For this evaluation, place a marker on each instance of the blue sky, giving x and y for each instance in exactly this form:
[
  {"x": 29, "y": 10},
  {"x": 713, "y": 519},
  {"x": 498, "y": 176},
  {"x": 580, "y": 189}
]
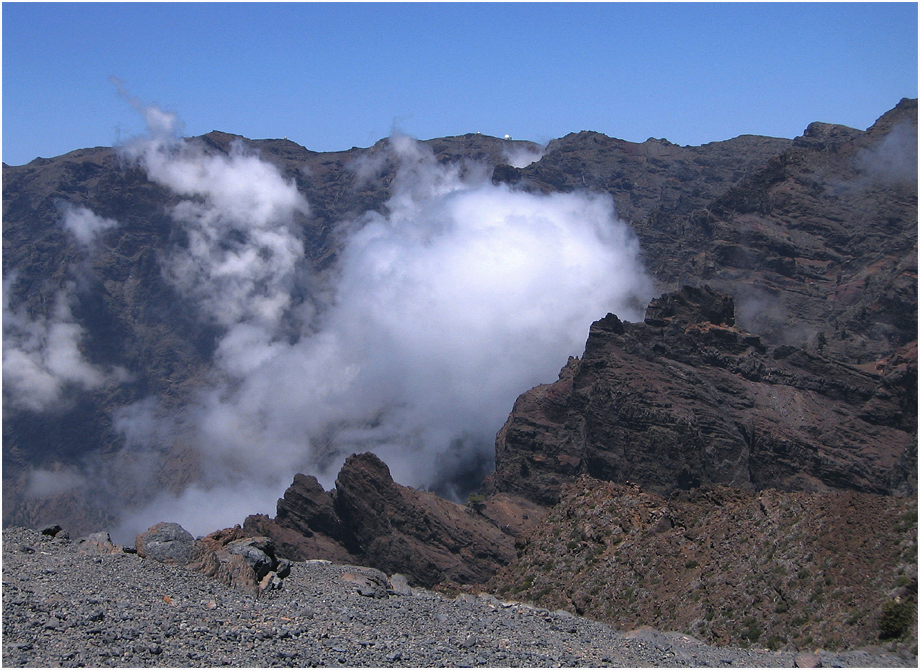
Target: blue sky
[{"x": 333, "y": 76}]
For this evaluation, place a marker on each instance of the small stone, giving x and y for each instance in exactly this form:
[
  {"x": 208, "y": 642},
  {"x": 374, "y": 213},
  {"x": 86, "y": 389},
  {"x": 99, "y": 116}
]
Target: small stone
[
  {"x": 97, "y": 543},
  {"x": 470, "y": 641},
  {"x": 808, "y": 661},
  {"x": 399, "y": 585},
  {"x": 271, "y": 582}
]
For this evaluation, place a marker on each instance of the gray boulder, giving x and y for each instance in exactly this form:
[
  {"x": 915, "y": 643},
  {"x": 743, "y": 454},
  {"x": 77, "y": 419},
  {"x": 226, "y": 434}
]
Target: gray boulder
[{"x": 167, "y": 543}]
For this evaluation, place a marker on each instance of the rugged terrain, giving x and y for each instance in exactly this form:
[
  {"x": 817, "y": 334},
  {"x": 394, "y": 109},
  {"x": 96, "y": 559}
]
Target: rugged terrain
[
  {"x": 814, "y": 238},
  {"x": 751, "y": 445},
  {"x": 688, "y": 398},
  {"x": 66, "y": 606},
  {"x": 781, "y": 570}
]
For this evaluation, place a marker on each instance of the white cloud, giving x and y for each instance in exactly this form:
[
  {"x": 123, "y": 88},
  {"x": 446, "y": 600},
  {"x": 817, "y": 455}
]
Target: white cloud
[
  {"x": 243, "y": 247},
  {"x": 442, "y": 310},
  {"x": 84, "y": 224},
  {"x": 520, "y": 156},
  {"x": 893, "y": 159},
  {"x": 49, "y": 483},
  {"x": 42, "y": 357}
]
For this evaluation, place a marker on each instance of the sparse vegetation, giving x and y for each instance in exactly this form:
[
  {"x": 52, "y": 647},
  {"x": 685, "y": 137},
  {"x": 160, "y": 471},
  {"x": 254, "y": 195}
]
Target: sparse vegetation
[
  {"x": 762, "y": 586},
  {"x": 896, "y": 618},
  {"x": 476, "y": 502}
]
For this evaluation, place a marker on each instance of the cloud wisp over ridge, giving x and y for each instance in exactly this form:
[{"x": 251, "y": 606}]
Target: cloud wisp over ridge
[{"x": 443, "y": 307}]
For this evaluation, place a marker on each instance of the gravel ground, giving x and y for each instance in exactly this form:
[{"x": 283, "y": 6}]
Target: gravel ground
[{"x": 66, "y": 608}]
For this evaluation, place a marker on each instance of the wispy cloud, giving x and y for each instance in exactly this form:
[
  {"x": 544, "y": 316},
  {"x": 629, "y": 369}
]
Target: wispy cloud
[{"x": 42, "y": 359}]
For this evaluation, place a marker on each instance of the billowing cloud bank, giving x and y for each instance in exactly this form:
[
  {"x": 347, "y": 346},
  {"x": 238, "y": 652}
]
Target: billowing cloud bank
[{"x": 442, "y": 309}]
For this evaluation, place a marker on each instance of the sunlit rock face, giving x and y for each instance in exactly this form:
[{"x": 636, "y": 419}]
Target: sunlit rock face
[{"x": 686, "y": 398}]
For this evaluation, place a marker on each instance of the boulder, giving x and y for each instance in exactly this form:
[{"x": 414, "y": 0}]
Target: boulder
[
  {"x": 258, "y": 552},
  {"x": 99, "y": 543},
  {"x": 227, "y": 555},
  {"x": 166, "y": 543}
]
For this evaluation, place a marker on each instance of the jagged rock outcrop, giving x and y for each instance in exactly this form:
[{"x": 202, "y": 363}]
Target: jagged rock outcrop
[
  {"x": 371, "y": 520},
  {"x": 229, "y": 556},
  {"x": 687, "y": 398}
]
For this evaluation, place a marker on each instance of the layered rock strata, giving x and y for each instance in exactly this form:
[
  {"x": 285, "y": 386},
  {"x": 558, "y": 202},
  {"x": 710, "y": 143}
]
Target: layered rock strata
[{"x": 688, "y": 398}]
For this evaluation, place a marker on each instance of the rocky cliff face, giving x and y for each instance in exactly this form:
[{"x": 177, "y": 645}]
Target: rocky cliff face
[
  {"x": 815, "y": 237},
  {"x": 369, "y": 519},
  {"x": 687, "y": 398}
]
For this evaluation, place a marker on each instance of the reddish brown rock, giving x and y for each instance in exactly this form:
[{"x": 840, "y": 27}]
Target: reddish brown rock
[
  {"x": 687, "y": 398},
  {"x": 400, "y": 529},
  {"x": 782, "y": 570},
  {"x": 230, "y": 556},
  {"x": 368, "y": 519}
]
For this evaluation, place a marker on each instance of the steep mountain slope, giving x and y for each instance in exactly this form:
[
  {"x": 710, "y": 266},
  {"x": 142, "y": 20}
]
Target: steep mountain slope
[
  {"x": 814, "y": 237},
  {"x": 773, "y": 569}
]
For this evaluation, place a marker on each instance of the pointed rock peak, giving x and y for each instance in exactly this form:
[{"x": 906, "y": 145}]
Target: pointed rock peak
[
  {"x": 363, "y": 474},
  {"x": 904, "y": 112},
  {"x": 369, "y": 463},
  {"x": 691, "y": 305}
]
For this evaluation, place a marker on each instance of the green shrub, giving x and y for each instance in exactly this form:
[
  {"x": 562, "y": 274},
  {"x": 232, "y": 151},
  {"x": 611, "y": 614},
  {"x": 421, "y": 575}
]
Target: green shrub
[
  {"x": 774, "y": 642},
  {"x": 907, "y": 521},
  {"x": 476, "y": 502},
  {"x": 896, "y": 618}
]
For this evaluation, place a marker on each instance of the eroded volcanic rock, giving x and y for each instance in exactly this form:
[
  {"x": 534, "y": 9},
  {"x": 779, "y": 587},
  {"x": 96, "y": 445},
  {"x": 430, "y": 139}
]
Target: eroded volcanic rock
[
  {"x": 687, "y": 398},
  {"x": 371, "y": 520},
  {"x": 230, "y": 556},
  {"x": 814, "y": 237}
]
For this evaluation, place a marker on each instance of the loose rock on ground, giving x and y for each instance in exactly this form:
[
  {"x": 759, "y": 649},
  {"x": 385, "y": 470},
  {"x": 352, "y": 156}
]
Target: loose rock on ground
[{"x": 72, "y": 608}]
